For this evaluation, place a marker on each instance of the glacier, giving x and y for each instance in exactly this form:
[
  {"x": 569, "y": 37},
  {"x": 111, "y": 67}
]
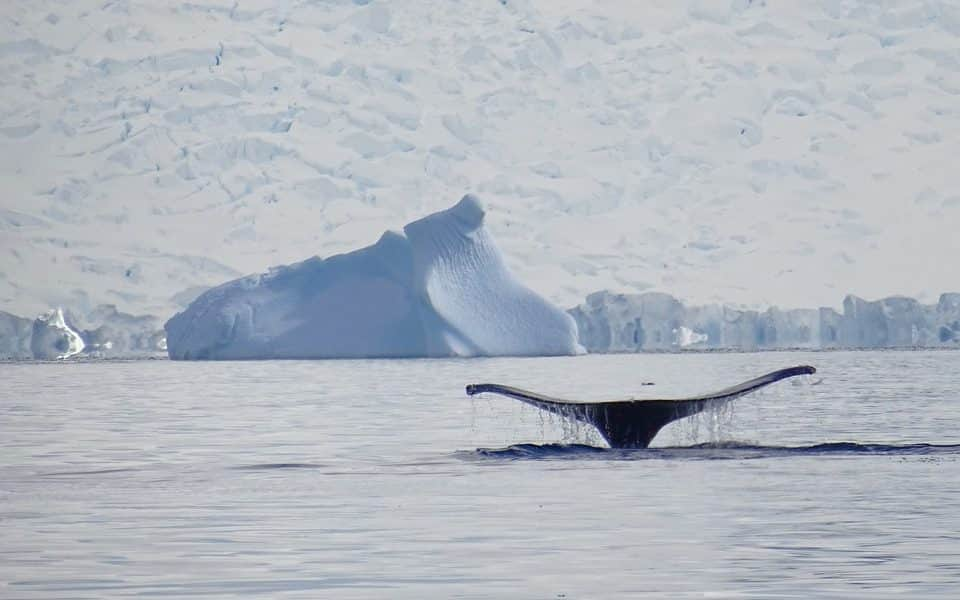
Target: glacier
[
  {"x": 725, "y": 151},
  {"x": 439, "y": 289},
  {"x": 748, "y": 153},
  {"x": 654, "y": 321}
]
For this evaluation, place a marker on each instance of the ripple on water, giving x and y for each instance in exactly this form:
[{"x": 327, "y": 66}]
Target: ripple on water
[{"x": 706, "y": 451}]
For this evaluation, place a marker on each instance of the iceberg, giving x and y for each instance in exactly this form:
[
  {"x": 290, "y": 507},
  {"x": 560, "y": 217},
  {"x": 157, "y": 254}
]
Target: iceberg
[
  {"x": 52, "y": 338},
  {"x": 60, "y": 334},
  {"x": 439, "y": 289}
]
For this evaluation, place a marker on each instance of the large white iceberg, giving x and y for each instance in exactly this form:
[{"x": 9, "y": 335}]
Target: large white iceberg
[{"x": 439, "y": 289}]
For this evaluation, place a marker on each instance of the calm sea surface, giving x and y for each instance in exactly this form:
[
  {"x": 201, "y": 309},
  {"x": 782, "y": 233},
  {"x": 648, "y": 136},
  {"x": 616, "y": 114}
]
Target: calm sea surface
[{"x": 381, "y": 479}]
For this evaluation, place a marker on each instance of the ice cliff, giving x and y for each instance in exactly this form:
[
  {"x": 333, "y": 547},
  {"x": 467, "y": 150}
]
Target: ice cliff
[
  {"x": 53, "y": 338},
  {"x": 610, "y": 322},
  {"x": 439, "y": 289},
  {"x": 47, "y": 337},
  {"x": 15, "y": 336},
  {"x": 103, "y": 332}
]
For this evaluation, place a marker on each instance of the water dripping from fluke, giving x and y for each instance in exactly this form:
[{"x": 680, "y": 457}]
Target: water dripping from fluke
[{"x": 632, "y": 424}]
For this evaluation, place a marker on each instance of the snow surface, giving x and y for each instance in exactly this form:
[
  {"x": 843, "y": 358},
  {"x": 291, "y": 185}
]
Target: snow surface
[
  {"x": 735, "y": 151},
  {"x": 442, "y": 289}
]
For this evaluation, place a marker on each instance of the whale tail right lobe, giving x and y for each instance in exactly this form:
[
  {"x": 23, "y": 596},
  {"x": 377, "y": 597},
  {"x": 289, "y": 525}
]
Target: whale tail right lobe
[{"x": 634, "y": 423}]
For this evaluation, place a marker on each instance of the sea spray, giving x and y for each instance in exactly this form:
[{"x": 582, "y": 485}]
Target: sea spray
[
  {"x": 735, "y": 420},
  {"x": 571, "y": 430},
  {"x": 509, "y": 423},
  {"x": 714, "y": 424}
]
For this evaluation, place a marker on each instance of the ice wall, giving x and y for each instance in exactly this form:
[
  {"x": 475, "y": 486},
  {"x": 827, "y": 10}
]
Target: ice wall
[
  {"x": 653, "y": 321},
  {"x": 439, "y": 289},
  {"x": 109, "y": 333},
  {"x": 15, "y": 335},
  {"x": 59, "y": 333}
]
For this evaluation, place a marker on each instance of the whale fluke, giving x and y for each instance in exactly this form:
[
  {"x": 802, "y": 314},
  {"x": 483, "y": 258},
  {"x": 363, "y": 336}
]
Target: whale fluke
[{"x": 634, "y": 423}]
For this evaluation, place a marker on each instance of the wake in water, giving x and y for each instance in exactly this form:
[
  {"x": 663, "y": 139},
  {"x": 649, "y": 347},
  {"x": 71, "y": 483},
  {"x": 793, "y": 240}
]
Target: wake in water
[{"x": 709, "y": 451}]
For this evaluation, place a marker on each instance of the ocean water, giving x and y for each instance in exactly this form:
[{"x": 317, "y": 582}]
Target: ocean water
[{"x": 381, "y": 479}]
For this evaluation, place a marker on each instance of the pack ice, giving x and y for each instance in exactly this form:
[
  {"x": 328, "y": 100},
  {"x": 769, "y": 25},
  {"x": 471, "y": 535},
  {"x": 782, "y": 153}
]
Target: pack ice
[{"x": 438, "y": 289}]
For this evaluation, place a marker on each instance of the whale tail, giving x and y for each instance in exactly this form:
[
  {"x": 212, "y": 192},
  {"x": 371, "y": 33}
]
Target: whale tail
[{"x": 634, "y": 423}]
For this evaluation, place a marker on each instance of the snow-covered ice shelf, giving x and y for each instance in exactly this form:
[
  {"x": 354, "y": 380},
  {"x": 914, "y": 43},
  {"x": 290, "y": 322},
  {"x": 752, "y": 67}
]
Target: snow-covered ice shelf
[{"x": 732, "y": 151}]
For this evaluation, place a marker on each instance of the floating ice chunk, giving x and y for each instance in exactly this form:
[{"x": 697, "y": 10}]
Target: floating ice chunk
[
  {"x": 441, "y": 289},
  {"x": 53, "y": 338},
  {"x": 688, "y": 337}
]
